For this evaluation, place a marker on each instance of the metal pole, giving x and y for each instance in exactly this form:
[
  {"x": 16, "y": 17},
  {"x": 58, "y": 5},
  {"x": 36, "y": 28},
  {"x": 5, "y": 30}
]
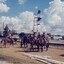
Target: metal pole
[
  {"x": 3, "y": 25},
  {"x": 33, "y": 24},
  {"x": 37, "y": 27}
]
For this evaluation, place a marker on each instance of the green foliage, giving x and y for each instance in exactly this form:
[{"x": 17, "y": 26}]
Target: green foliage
[{"x": 6, "y": 31}]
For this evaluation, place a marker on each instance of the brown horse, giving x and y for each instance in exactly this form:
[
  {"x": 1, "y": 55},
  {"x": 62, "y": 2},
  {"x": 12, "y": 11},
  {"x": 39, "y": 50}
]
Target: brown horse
[{"x": 6, "y": 41}]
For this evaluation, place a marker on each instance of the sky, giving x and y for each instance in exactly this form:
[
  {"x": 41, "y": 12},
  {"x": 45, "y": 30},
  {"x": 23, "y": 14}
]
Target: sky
[
  {"x": 18, "y": 6},
  {"x": 19, "y": 15}
]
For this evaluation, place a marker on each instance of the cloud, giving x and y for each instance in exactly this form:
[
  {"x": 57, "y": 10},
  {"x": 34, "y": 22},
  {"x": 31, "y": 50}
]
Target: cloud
[
  {"x": 55, "y": 20},
  {"x": 53, "y": 16},
  {"x": 21, "y": 1},
  {"x": 21, "y": 23},
  {"x": 4, "y": 8},
  {"x": 27, "y": 20}
]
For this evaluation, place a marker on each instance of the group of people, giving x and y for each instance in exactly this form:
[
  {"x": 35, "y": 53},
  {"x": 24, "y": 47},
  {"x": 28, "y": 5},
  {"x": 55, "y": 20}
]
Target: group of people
[
  {"x": 36, "y": 39},
  {"x": 40, "y": 40}
]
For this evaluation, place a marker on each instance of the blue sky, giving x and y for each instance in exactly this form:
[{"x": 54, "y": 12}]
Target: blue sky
[{"x": 29, "y": 5}]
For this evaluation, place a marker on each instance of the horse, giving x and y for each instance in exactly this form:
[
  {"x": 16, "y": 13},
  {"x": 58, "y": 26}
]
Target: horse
[
  {"x": 37, "y": 42},
  {"x": 41, "y": 42},
  {"x": 24, "y": 41},
  {"x": 45, "y": 41},
  {"x": 4, "y": 41}
]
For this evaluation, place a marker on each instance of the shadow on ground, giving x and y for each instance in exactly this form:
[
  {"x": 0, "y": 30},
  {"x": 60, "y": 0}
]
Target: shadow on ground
[
  {"x": 62, "y": 55},
  {"x": 28, "y": 50}
]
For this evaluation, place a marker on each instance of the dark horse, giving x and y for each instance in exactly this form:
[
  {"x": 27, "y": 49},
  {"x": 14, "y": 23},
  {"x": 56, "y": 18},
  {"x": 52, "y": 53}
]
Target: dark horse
[
  {"x": 39, "y": 41},
  {"x": 24, "y": 41}
]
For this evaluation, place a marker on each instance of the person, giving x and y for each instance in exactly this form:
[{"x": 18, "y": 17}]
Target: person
[
  {"x": 10, "y": 40},
  {"x": 31, "y": 40},
  {"x": 40, "y": 40},
  {"x": 47, "y": 42},
  {"x": 44, "y": 40}
]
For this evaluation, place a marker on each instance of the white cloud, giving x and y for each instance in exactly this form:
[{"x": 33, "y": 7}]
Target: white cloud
[
  {"x": 55, "y": 20},
  {"x": 21, "y": 23},
  {"x": 26, "y": 19},
  {"x": 4, "y": 7},
  {"x": 21, "y": 1},
  {"x": 54, "y": 16}
]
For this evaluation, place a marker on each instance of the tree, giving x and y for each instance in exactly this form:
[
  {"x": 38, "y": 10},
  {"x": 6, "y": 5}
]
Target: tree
[
  {"x": 21, "y": 35},
  {"x": 6, "y": 31}
]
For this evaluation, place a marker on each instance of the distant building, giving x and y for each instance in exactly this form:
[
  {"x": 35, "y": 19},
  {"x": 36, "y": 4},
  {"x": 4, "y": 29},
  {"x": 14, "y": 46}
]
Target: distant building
[{"x": 57, "y": 37}]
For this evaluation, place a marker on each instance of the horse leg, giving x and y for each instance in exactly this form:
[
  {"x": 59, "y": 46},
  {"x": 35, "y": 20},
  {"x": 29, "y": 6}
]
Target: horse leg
[
  {"x": 21, "y": 44},
  {"x": 1, "y": 43},
  {"x": 4, "y": 44},
  {"x": 47, "y": 46},
  {"x": 41, "y": 48},
  {"x": 26, "y": 44},
  {"x": 31, "y": 46},
  {"x": 38, "y": 47},
  {"x": 11, "y": 43}
]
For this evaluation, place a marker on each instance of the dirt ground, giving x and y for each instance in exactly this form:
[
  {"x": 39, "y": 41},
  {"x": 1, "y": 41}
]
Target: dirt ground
[{"x": 16, "y": 54}]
